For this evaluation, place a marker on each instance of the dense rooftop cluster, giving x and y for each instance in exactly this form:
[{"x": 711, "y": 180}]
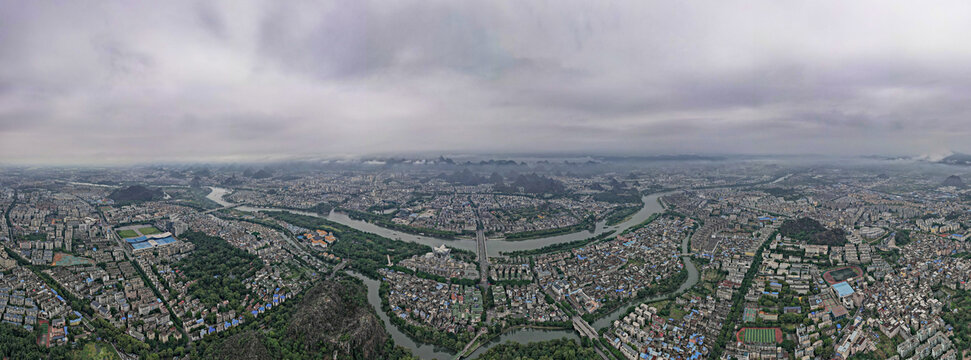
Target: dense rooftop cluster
[{"x": 732, "y": 261}]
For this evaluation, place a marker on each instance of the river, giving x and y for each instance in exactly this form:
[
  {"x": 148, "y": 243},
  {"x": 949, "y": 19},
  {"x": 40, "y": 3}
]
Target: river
[
  {"x": 424, "y": 351},
  {"x": 496, "y": 246},
  {"x": 651, "y": 206}
]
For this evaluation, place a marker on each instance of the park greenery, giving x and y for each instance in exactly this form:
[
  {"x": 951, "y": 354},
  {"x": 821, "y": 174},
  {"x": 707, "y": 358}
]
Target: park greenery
[
  {"x": 383, "y": 205},
  {"x": 619, "y": 196},
  {"x": 962, "y": 255},
  {"x": 902, "y": 237},
  {"x": 366, "y": 252},
  {"x": 19, "y": 343},
  {"x": 788, "y": 194},
  {"x": 36, "y": 236},
  {"x": 812, "y": 232},
  {"x": 644, "y": 223},
  {"x": 217, "y": 270},
  {"x": 322, "y": 208},
  {"x": 384, "y": 220},
  {"x": 619, "y": 193},
  {"x": 95, "y": 351},
  {"x": 462, "y": 254},
  {"x": 621, "y": 214},
  {"x": 958, "y": 314}
]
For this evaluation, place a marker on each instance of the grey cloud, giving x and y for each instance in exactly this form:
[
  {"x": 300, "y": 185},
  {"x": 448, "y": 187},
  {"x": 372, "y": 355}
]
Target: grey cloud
[
  {"x": 243, "y": 79},
  {"x": 119, "y": 60},
  {"x": 210, "y": 19},
  {"x": 354, "y": 39}
]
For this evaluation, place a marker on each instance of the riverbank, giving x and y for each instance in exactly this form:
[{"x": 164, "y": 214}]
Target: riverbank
[
  {"x": 385, "y": 221},
  {"x": 621, "y": 214},
  {"x": 588, "y": 224},
  {"x": 561, "y": 246},
  {"x": 480, "y": 342}
]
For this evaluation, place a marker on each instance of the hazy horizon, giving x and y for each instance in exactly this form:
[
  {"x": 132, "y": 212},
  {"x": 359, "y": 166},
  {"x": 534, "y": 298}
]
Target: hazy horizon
[{"x": 137, "y": 83}]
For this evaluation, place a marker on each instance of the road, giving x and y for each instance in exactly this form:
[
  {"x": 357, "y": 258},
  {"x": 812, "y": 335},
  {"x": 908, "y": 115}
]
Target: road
[
  {"x": 483, "y": 259},
  {"x": 585, "y": 330},
  {"x": 337, "y": 268},
  {"x": 467, "y": 346}
]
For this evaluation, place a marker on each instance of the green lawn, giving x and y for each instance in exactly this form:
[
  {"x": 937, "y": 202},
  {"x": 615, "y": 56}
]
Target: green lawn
[
  {"x": 763, "y": 336},
  {"x": 148, "y": 230},
  {"x": 124, "y": 234}
]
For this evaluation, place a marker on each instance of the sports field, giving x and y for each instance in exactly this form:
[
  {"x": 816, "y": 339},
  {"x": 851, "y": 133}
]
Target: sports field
[
  {"x": 842, "y": 274},
  {"x": 151, "y": 230},
  {"x": 759, "y": 335},
  {"x": 124, "y": 234}
]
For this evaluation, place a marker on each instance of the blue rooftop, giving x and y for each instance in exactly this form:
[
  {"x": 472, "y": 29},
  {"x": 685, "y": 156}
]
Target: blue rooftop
[{"x": 843, "y": 289}]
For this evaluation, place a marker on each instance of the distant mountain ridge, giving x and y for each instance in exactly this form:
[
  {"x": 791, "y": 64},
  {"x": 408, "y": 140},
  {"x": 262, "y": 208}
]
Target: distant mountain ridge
[{"x": 957, "y": 159}]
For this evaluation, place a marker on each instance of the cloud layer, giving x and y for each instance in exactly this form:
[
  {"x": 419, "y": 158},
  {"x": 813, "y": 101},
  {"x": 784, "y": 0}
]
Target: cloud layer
[{"x": 129, "y": 81}]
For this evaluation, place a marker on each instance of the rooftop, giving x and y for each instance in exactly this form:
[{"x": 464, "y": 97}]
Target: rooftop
[{"x": 843, "y": 289}]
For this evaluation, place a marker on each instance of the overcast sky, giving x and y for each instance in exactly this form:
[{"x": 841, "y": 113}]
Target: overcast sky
[{"x": 127, "y": 81}]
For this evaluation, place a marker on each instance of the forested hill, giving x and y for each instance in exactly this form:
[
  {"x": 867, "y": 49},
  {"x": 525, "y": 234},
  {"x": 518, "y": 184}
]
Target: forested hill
[
  {"x": 332, "y": 318},
  {"x": 335, "y": 316}
]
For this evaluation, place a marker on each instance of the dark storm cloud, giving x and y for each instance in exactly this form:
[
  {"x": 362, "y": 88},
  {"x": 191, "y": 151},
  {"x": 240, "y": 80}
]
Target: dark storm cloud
[{"x": 238, "y": 80}]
